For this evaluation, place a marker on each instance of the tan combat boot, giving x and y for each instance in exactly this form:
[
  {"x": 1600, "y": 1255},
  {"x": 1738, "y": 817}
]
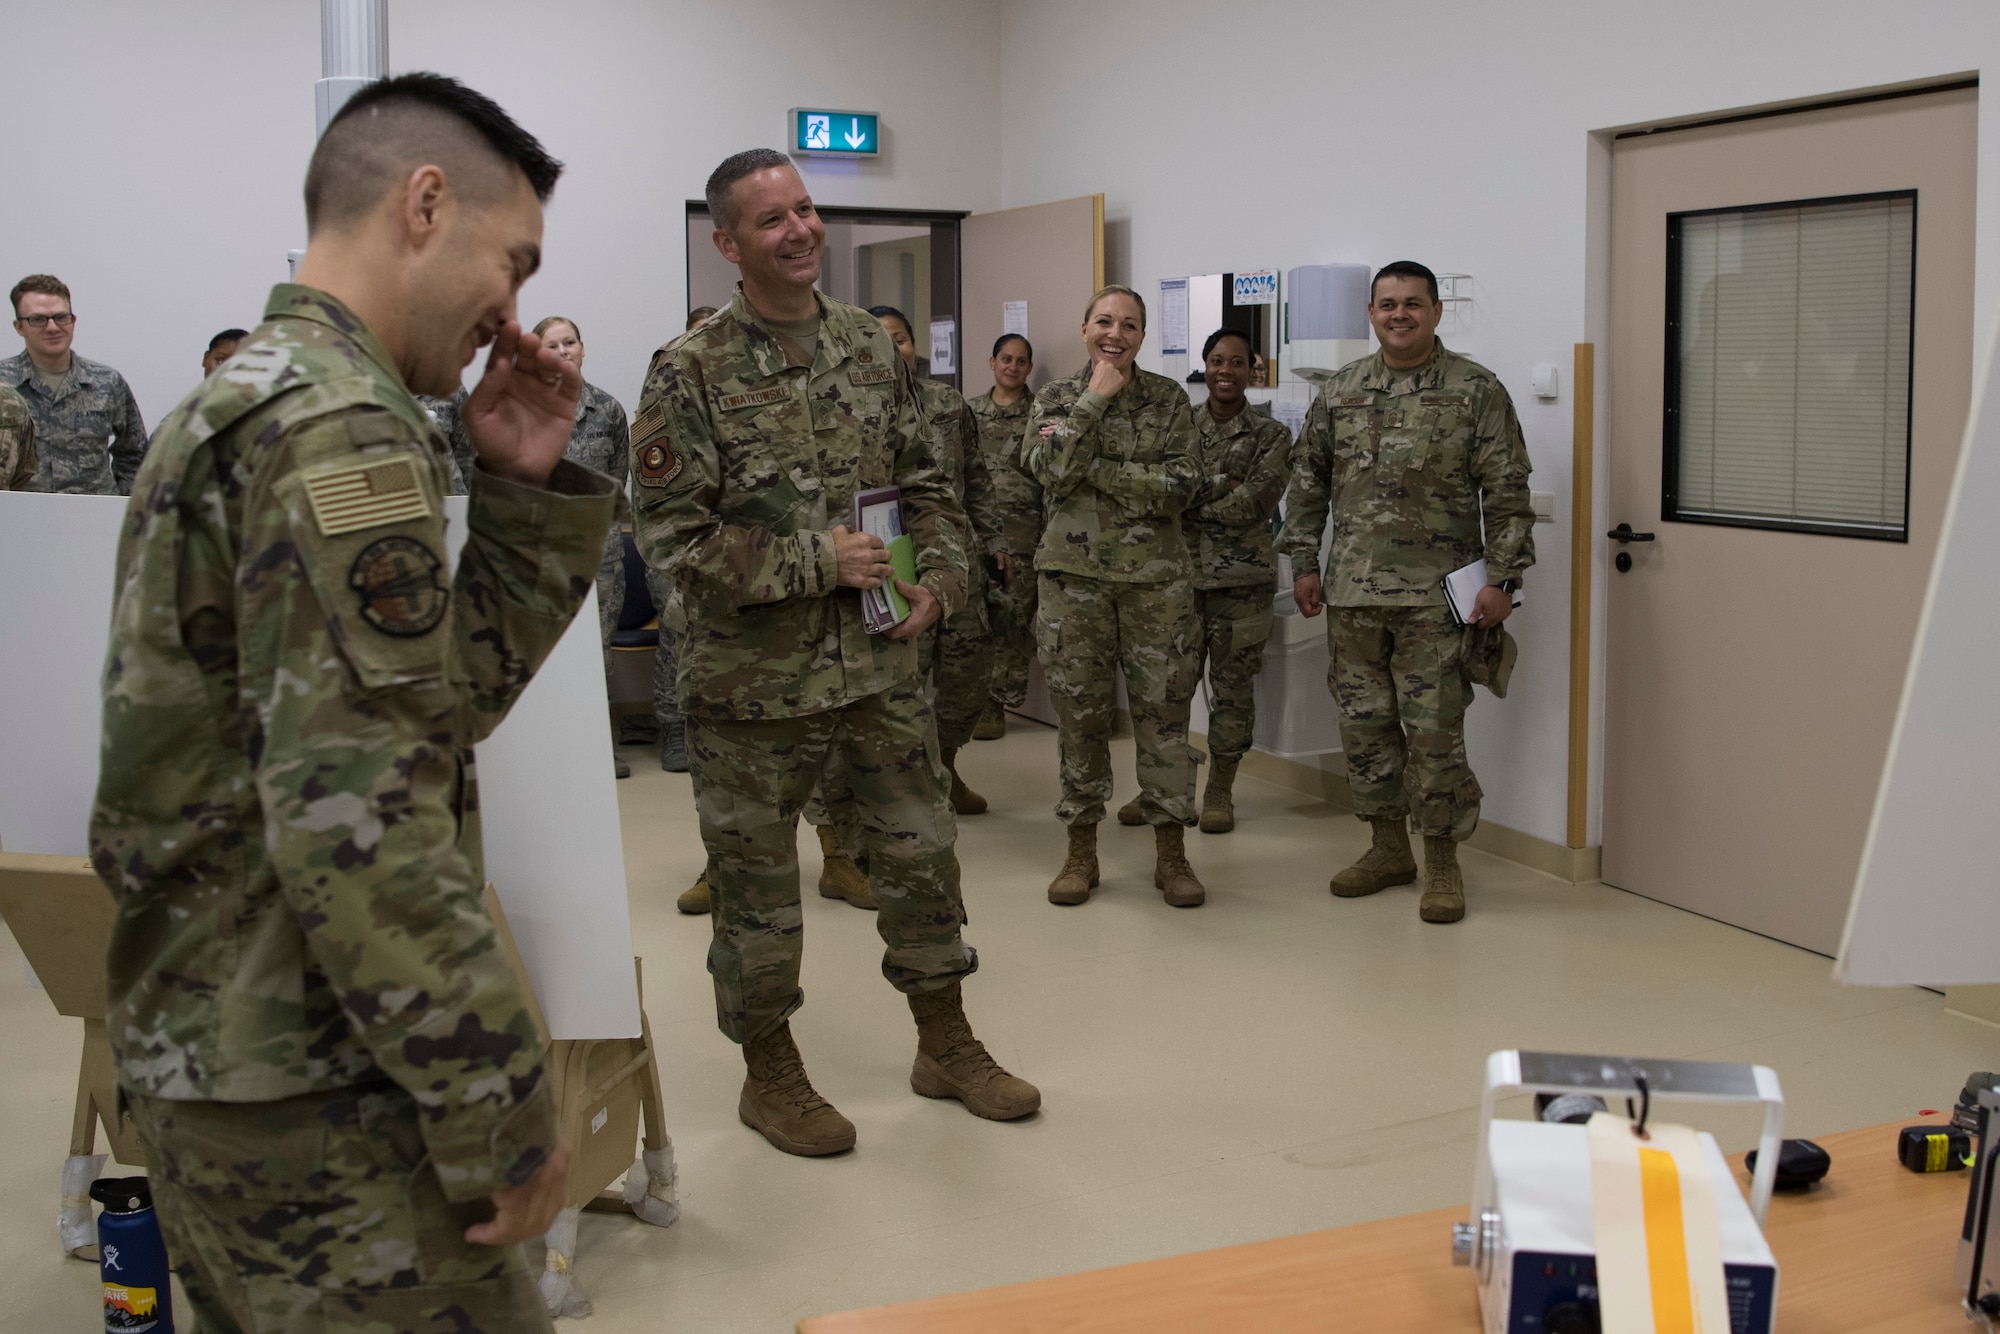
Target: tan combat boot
[
  {"x": 780, "y": 1104},
  {"x": 839, "y": 877},
  {"x": 1079, "y": 869},
  {"x": 1218, "y": 803},
  {"x": 1444, "y": 887},
  {"x": 951, "y": 1063},
  {"x": 1388, "y": 862},
  {"x": 694, "y": 900},
  {"x": 1172, "y": 875},
  {"x": 1129, "y": 814},
  {"x": 963, "y": 799},
  {"x": 992, "y": 723}
]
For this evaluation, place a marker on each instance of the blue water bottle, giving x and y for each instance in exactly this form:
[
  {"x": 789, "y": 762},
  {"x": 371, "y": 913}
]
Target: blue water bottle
[{"x": 132, "y": 1257}]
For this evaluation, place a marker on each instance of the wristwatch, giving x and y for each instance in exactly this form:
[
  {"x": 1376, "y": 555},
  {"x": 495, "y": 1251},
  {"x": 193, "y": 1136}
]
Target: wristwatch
[{"x": 1509, "y": 587}]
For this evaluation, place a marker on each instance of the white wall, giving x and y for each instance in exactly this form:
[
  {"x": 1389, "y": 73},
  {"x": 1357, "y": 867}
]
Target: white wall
[
  {"x": 162, "y": 184},
  {"x": 1455, "y": 133}
]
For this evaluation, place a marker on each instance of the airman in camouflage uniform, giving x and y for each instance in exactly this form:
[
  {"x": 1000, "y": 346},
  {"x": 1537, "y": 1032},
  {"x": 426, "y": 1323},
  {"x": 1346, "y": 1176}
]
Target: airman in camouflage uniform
[
  {"x": 292, "y": 693},
  {"x": 1407, "y": 460},
  {"x": 333, "y": 1066},
  {"x": 1243, "y": 459},
  {"x": 1011, "y": 601},
  {"x": 752, "y": 438},
  {"x": 1117, "y": 591},
  {"x": 458, "y": 445},
  {"x": 88, "y": 431},
  {"x": 17, "y": 442}
]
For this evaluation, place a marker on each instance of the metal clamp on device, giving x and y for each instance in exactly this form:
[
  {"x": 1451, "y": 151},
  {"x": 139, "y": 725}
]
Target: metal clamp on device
[{"x": 1531, "y": 1240}]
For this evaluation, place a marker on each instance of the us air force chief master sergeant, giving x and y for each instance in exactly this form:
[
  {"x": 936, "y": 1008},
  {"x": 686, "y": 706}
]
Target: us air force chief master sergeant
[
  {"x": 332, "y": 1065},
  {"x": 1408, "y": 447},
  {"x": 754, "y": 433}
]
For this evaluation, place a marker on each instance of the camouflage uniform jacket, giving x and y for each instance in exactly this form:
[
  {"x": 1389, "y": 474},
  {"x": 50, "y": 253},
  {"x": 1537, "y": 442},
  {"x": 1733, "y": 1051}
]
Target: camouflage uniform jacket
[
  {"x": 89, "y": 433},
  {"x": 1117, "y": 472},
  {"x": 743, "y": 460},
  {"x": 17, "y": 442},
  {"x": 1231, "y": 528},
  {"x": 954, "y": 435},
  {"x": 1020, "y": 496},
  {"x": 1407, "y": 461},
  {"x": 293, "y": 684}
]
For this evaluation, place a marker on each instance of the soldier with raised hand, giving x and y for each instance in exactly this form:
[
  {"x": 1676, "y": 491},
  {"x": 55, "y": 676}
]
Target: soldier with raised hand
[
  {"x": 1408, "y": 448},
  {"x": 1244, "y": 453},
  {"x": 1001, "y": 414},
  {"x": 333, "y": 1067},
  {"x": 88, "y": 430},
  {"x": 753, "y": 436},
  {"x": 1113, "y": 448},
  {"x": 17, "y": 442}
]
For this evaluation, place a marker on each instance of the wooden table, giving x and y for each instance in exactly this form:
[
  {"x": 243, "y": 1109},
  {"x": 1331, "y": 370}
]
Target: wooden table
[{"x": 1870, "y": 1249}]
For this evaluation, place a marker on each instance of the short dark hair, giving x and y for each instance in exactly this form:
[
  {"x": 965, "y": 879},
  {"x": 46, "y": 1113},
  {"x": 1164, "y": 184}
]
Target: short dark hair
[
  {"x": 721, "y": 206},
  {"x": 1005, "y": 339},
  {"x": 393, "y": 126},
  {"x": 227, "y": 336},
  {"x": 698, "y": 314},
  {"x": 44, "y": 284},
  {"x": 883, "y": 312},
  {"x": 1405, "y": 268},
  {"x": 1221, "y": 334}
]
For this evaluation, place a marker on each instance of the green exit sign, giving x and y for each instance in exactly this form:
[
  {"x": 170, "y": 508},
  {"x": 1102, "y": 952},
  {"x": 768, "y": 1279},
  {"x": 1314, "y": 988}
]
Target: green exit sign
[{"x": 817, "y": 133}]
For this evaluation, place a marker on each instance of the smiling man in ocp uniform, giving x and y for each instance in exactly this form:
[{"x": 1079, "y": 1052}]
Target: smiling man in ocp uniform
[
  {"x": 1410, "y": 448},
  {"x": 331, "y": 1063},
  {"x": 754, "y": 433}
]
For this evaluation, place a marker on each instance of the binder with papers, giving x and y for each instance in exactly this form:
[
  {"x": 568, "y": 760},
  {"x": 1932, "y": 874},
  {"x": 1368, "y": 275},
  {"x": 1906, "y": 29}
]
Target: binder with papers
[{"x": 1461, "y": 590}]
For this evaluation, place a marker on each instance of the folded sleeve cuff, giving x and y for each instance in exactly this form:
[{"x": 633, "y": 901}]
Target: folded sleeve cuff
[{"x": 476, "y": 1153}]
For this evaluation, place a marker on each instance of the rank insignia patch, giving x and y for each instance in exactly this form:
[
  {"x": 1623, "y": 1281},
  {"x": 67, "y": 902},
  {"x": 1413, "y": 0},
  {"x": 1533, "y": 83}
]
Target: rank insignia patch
[
  {"x": 366, "y": 495},
  {"x": 396, "y": 581}
]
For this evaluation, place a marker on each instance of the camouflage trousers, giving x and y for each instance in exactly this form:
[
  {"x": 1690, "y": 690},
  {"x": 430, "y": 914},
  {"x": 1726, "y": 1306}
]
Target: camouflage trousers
[
  {"x": 666, "y": 670},
  {"x": 321, "y": 1212},
  {"x": 1398, "y": 681},
  {"x": 958, "y": 655},
  {"x": 1087, "y": 630},
  {"x": 751, "y": 779},
  {"x": 1013, "y": 611},
  {"x": 1235, "y": 622}
]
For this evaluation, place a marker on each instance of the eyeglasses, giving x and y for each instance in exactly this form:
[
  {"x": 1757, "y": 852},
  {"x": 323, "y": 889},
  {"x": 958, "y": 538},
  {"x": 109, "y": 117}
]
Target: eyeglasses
[{"x": 62, "y": 321}]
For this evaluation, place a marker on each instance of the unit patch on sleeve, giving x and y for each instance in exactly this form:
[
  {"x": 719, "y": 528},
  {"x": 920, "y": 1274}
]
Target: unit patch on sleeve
[
  {"x": 396, "y": 581},
  {"x": 657, "y": 463},
  {"x": 367, "y": 495}
]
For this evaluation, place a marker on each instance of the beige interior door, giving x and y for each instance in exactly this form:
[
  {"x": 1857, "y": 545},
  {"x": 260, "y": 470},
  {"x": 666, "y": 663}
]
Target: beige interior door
[
  {"x": 1050, "y": 256},
  {"x": 1753, "y": 673}
]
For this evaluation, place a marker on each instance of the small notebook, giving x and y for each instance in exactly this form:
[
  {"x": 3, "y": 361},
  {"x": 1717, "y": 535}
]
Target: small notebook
[
  {"x": 880, "y": 512},
  {"x": 1461, "y": 590}
]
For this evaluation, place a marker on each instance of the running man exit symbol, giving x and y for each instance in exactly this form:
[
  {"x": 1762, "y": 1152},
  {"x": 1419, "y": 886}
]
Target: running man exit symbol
[{"x": 830, "y": 132}]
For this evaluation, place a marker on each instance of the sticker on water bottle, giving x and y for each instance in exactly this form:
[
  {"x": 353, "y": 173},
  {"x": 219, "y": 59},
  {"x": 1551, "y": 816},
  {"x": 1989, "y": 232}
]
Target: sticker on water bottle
[{"x": 130, "y": 1308}]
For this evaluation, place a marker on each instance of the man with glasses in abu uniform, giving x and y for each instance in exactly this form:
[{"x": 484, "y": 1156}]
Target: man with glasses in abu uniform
[{"x": 87, "y": 425}]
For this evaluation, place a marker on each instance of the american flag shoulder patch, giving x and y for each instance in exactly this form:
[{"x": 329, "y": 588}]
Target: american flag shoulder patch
[{"x": 349, "y": 497}]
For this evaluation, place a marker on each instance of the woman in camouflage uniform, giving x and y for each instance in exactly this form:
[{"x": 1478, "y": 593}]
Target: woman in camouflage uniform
[
  {"x": 1244, "y": 455},
  {"x": 1002, "y": 417},
  {"x": 1114, "y": 449}
]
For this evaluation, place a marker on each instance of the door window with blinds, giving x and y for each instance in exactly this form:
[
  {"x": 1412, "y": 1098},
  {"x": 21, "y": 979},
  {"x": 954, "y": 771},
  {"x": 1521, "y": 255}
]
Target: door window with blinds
[{"x": 1788, "y": 365}]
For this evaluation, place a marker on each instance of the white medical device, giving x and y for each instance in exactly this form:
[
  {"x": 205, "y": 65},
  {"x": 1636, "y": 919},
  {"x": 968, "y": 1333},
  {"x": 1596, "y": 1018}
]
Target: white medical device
[{"x": 1531, "y": 1241}]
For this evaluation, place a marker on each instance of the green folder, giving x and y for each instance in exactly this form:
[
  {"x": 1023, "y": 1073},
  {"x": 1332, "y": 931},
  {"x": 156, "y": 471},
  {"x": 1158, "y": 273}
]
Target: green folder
[{"x": 903, "y": 560}]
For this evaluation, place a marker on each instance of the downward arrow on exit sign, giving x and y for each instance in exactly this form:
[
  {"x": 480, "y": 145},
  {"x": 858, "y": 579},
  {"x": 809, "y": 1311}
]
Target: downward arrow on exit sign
[{"x": 855, "y": 138}]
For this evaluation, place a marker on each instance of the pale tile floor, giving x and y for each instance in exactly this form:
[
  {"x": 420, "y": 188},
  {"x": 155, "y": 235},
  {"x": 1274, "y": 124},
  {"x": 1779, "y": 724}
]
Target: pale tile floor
[{"x": 1275, "y": 1062}]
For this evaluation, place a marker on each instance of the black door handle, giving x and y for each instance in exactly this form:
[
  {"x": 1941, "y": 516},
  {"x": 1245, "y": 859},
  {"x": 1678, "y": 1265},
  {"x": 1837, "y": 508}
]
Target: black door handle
[{"x": 1623, "y": 533}]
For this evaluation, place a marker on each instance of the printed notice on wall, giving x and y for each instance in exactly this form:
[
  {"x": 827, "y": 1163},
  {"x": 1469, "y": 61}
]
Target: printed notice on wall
[
  {"x": 944, "y": 336},
  {"x": 1256, "y": 288},
  {"x": 1173, "y": 317},
  {"x": 1014, "y": 318}
]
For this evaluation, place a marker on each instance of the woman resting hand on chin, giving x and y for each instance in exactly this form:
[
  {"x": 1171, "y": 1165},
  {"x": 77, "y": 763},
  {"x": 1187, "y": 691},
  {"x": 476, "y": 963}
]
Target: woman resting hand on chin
[{"x": 1113, "y": 447}]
